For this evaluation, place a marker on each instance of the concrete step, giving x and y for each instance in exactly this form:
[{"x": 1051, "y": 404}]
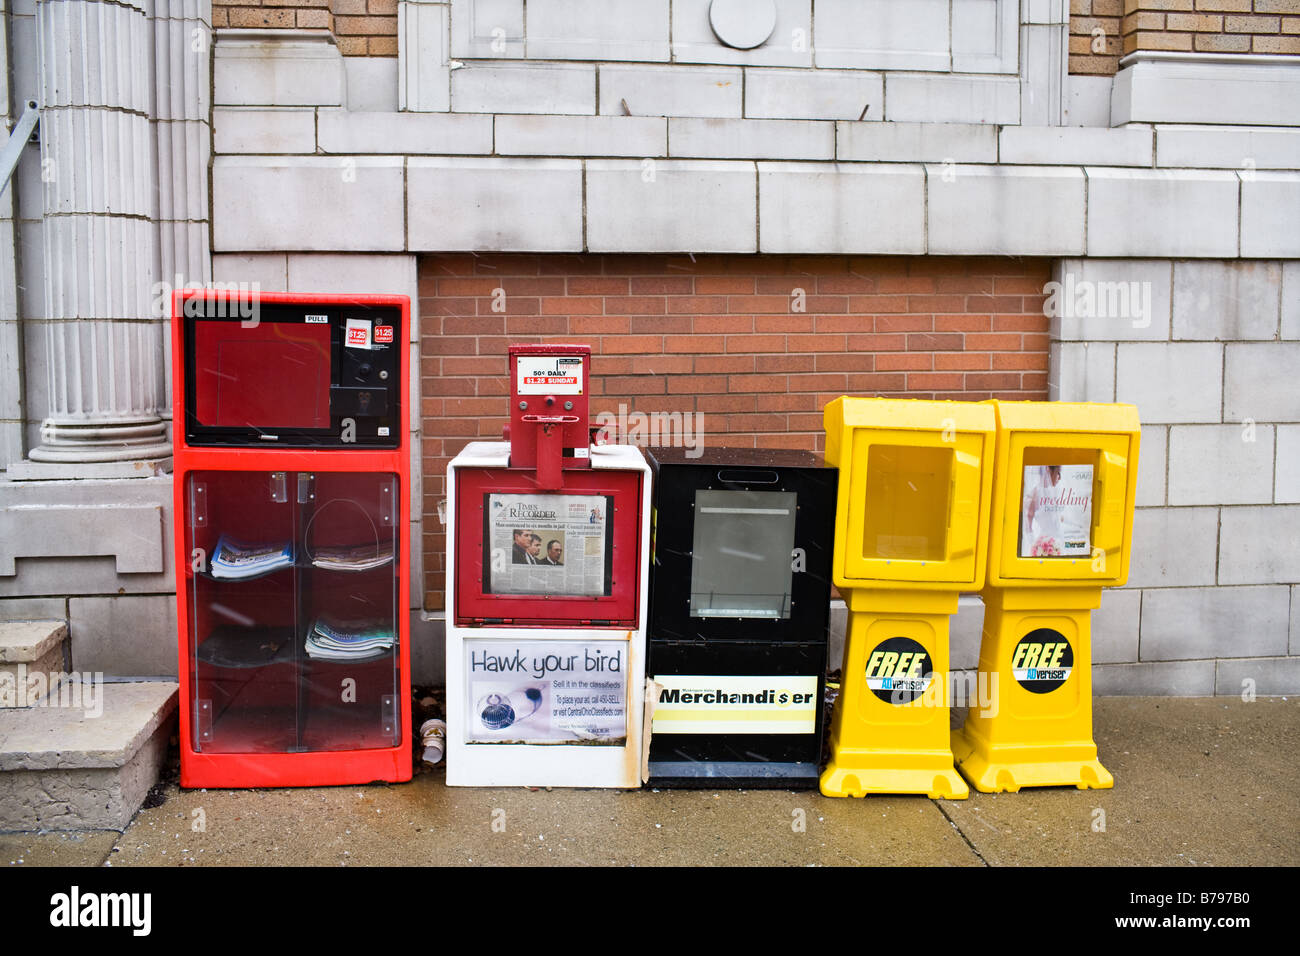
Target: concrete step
[
  {"x": 84, "y": 756},
  {"x": 30, "y": 652}
]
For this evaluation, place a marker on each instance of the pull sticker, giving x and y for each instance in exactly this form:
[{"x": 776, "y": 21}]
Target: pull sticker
[{"x": 358, "y": 334}]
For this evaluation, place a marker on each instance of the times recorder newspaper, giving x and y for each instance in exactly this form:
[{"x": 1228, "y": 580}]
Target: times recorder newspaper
[{"x": 548, "y": 544}]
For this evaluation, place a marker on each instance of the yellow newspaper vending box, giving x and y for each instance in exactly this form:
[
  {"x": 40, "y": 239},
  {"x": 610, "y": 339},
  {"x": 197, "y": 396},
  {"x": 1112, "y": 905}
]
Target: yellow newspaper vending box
[
  {"x": 911, "y": 533},
  {"x": 1061, "y": 529}
]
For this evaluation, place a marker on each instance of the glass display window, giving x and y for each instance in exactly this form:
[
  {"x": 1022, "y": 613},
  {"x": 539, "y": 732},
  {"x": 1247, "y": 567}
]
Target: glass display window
[{"x": 741, "y": 564}]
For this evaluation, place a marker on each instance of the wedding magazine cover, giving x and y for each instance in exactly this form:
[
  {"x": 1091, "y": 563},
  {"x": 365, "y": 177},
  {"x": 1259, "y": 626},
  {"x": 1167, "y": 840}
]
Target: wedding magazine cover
[{"x": 1056, "y": 511}]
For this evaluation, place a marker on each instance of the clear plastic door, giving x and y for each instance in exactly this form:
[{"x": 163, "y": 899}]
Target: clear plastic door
[
  {"x": 350, "y": 610},
  {"x": 293, "y": 624},
  {"x": 243, "y": 624}
]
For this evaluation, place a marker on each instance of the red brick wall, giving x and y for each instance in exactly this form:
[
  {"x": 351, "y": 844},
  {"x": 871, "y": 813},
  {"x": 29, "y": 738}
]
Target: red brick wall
[
  {"x": 279, "y": 14},
  {"x": 1095, "y": 41},
  {"x": 1212, "y": 26},
  {"x": 720, "y": 335},
  {"x": 1101, "y": 31},
  {"x": 360, "y": 27}
]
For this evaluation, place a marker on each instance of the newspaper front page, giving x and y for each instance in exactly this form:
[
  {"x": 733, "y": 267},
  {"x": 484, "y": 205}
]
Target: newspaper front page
[{"x": 548, "y": 544}]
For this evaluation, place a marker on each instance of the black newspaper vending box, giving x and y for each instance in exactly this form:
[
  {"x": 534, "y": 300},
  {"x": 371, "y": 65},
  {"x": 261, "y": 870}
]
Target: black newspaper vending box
[{"x": 739, "y": 609}]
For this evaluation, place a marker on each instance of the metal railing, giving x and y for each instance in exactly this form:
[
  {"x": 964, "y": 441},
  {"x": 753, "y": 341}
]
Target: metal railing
[{"x": 13, "y": 149}]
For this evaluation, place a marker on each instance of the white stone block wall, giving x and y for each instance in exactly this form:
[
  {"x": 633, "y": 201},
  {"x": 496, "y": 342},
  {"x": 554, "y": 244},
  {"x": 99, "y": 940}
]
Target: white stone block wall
[
  {"x": 814, "y": 94},
  {"x": 1209, "y": 351},
  {"x": 302, "y": 69},
  {"x": 968, "y": 36},
  {"x": 598, "y": 29},
  {"x": 986, "y": 189},
  {"x": 512, "y": 205},
  {"x": 670, "y": 205},
  {"x": 1176, "y": 88},
  {"x": 931, "y": 127},
  {"x": 638, "y": 136},
  {"x": 847, "y": 208},
  {"x": 777, "y": 154},
  {"x": 945, "y": 60},
  {"x": 992, "y": 210}
]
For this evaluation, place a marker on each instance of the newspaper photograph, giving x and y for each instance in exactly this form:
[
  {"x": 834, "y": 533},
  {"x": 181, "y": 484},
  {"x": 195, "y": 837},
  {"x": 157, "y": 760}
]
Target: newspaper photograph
[{"x": 547, "y": 544}]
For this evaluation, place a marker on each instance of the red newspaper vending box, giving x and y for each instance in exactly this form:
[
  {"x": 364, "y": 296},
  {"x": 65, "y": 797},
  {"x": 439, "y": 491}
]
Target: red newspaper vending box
[{"x": 292, "y": 486}]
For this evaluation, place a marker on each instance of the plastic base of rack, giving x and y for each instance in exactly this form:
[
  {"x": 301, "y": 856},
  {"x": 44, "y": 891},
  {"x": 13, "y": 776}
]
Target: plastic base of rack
[
  {"x": 858, "y": 773},
  {"x": 1008, "y": 769}
]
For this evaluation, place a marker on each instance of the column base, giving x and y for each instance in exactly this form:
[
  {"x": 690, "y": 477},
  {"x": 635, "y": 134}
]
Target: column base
[{"x": 125, "y": 440}]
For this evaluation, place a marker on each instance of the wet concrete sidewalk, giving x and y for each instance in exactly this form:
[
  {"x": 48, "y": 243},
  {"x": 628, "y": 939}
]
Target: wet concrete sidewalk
[{"x": 1202, "y": 781}]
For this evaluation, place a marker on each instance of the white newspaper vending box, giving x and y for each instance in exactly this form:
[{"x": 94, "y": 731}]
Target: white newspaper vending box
[{"x": 547, "y": 586}]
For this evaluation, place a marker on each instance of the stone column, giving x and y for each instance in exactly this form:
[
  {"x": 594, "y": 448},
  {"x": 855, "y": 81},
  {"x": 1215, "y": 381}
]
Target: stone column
[
  {"x": 104, "y": 346},
  {"x": 182, "y": 128}
]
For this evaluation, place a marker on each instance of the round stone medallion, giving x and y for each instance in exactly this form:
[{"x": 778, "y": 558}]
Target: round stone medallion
[{"x": 743, "y": 24}]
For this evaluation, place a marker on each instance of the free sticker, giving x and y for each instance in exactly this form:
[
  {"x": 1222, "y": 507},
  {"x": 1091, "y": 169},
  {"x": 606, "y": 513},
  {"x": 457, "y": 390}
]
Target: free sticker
[
  {"x": 1042, "y": 661},
  {"x": 899, "y": 670}
]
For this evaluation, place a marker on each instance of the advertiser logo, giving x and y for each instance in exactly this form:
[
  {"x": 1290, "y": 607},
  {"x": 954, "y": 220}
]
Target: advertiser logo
[
  {"x": 383, "y": 335},
  {"x": 899, "y": 670},
  {"x": 1042, "y": 661}
]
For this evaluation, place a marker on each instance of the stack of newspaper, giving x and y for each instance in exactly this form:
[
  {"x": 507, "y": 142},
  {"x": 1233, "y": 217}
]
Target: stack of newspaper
[
  {"x": 361, "y": 557},
  {"x": 330, "y": 640},
  {"x": 234, "y": 560}
]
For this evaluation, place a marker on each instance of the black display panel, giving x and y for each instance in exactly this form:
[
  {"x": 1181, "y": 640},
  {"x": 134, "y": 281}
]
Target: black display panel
[
  {"x": 743, "y": 546},
  {"x": 274, "y": 374}
]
